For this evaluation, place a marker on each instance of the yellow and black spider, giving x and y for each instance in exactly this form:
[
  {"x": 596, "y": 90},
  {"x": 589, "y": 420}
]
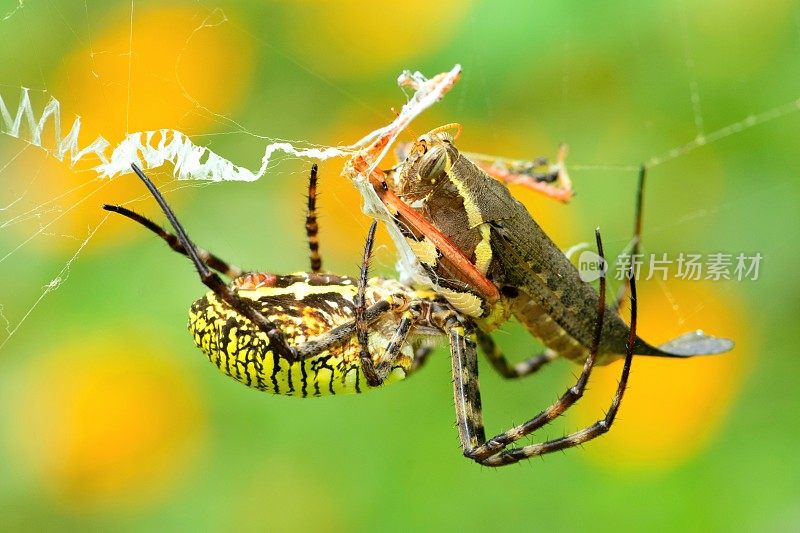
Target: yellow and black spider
[{"x": 314, "y": 334}]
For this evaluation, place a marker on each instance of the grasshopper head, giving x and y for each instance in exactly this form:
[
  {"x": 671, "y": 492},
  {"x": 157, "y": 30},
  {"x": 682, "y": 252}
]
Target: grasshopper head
[{"x": 428, "y": 160}]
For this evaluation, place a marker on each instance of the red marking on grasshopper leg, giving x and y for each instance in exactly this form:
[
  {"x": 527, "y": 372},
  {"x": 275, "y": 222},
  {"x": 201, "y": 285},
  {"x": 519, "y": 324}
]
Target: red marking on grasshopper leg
[
  {"x": 509, "y": 178},
  {"x": 415, "y": 221},
  {"x": 561, "y": 192}
]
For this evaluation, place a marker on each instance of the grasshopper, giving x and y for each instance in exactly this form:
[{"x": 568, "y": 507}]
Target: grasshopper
[{"x": 486, "y": 254}]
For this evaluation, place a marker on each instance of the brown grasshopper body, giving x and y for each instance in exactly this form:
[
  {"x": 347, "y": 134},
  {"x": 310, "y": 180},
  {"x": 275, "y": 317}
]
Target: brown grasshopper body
[{"x": 496, "y": 233}]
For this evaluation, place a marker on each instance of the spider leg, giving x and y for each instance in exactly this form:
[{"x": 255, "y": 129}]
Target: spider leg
[
  {"x": 310, "y": 348},
  {"x": 496, "y": 444},
  {"x": 375, "y": 374},
  {"x": 466, "y": 391},
  {"x": 637, "y": 235},
  {"x": 311, "y": 222},
  {"x": 213, "y": 261},
  {"x": 588, "y": 433},
  {"x": 341, "y": 333},
  {"x": 214, "y": 282},
  {"x": 344, "y": 332},
  {"x": 407, "y": 321},
  {"x": 470, "y": 419},
  {"x": 468, "y": 404},
  {"x": 500, "y": 363},
  {"x": 362, "y": 333}
]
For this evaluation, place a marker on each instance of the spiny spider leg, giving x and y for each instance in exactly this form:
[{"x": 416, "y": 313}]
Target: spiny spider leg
[
  {"x": 215, "y": 283},
  {"x": 637, "y": 235},
  {"x": 501, "y": 364},
  {"x": 344, "y": 331},
  {"x": 310, "y": 348},
  {"x": 213, "y": 261},
  {"x": 470, "y": 419},
  {"x": 572, "y": 395},
  {"x": 375, "y": 374},
  {"x": 360, "y": 307},
  {"x": 219, "y": 264},
  {"x": 534, "y": 363},
  {"x": 496, "y": 445},
  {"x": 466, "y": 388},
  {"x": 325, "y": 341},
  {"x": 588, "y": 433},
  {"x": 311, "y": 222}
]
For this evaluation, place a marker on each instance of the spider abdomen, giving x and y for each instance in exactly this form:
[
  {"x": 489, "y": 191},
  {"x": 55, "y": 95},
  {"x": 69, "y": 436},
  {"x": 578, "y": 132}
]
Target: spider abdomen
[{"x": 243, "y": 351}]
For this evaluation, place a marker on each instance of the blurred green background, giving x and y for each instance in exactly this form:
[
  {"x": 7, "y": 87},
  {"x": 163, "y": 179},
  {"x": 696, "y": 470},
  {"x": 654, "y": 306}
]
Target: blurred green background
[{"x": 109, "y": 417}]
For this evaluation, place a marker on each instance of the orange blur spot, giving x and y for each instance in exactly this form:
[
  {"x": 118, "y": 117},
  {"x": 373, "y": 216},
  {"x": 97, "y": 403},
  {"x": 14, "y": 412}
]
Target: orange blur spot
[
  {"x": 98, "y": 429},
  {"x": 175, "y": 70},
  {"x": 673, "y": 408},
  {"x": 343, "y": 227}
]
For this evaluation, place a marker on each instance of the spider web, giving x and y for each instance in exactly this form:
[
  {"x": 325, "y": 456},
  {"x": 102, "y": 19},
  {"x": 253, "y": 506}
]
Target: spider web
[{"x": 78, "y": 163}]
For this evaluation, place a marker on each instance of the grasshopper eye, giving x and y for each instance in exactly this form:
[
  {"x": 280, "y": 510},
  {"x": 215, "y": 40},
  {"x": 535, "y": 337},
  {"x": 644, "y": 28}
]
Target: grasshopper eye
[{"x": 432, "y": 164}]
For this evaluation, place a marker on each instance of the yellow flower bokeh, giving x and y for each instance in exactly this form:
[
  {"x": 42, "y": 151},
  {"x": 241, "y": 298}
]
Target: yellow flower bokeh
[
  {"x": 170, "y": 72},
  {"x": 672, "y": 407},
  {"x": 361, "y": 38},
  {"x": 104, "y": 424}
]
